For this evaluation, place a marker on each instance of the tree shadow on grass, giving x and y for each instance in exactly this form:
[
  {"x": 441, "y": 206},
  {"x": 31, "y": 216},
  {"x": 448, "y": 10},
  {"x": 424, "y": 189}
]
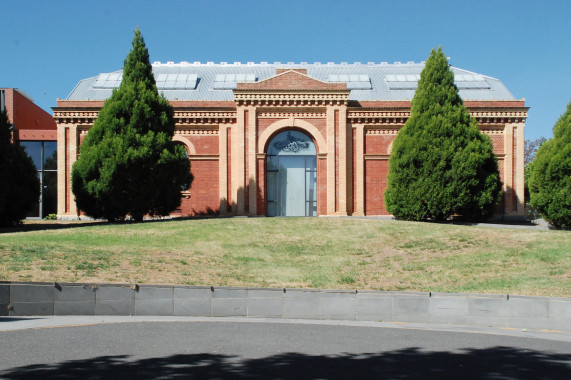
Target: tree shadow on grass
[
  {"x": 55, "y": 225},
  {"x": 31, "y": 225},
  {"x": 410, "y": 363}
]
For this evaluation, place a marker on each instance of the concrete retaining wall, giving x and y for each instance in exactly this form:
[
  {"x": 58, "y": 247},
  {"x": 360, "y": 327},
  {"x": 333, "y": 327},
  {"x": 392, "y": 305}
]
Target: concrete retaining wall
[{"x": 26, "y": 299}]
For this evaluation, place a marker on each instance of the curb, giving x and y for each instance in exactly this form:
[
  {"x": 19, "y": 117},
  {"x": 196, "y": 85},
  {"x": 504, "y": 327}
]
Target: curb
[{"x": 487, "y": 310}]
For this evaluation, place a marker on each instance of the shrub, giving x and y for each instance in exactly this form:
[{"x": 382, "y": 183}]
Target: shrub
[
  {"x": 550, "y": 180},
  {"x": 19, "y": 184}
]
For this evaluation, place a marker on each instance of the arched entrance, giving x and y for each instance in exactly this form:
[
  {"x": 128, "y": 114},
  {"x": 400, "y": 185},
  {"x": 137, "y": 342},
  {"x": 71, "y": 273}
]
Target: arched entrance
[{"x": 291, "y": 175}]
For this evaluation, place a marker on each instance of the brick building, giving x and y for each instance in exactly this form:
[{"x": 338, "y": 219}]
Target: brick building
[
  {"x": 36, "y": 131},
  {"x": 294, "y": 139}
]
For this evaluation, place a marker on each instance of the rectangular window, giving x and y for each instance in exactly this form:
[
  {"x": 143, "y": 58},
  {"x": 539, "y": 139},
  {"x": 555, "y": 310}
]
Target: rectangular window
[{"x": 44, "y": 156}]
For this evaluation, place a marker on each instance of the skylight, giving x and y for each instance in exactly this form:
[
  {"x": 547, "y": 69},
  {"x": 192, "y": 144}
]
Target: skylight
[
  {"x": 410, "y": 82},
  {"x": 176, "y": 81},
  {"x": 164, "y": 81},
  {"x": 354, "y": 81},
  {"x": 229, "y": 81},
  {"x": 108, "y": 80}
]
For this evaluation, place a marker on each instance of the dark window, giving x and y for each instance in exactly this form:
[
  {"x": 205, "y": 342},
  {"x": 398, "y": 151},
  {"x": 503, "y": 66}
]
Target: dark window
[
  {"x": 2, "y": 100},
  {"x": 44, "y": 155}
]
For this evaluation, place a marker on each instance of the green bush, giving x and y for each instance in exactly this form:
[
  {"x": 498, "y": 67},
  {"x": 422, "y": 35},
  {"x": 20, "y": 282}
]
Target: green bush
[
  {"x": 550, "y": 180},
  {"x": 19, "y": 184},
  {"x": 441, "y": 165},
  {"x": 129, "y": 164},
  {"x": 51, "y": 217}
]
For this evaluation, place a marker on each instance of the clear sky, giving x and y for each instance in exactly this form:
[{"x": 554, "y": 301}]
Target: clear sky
[{"x": 48, "y": 46}]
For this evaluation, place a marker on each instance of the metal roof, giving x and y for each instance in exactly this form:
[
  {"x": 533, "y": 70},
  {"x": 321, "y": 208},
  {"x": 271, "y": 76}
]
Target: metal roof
[{"x": 395, "y": 81}]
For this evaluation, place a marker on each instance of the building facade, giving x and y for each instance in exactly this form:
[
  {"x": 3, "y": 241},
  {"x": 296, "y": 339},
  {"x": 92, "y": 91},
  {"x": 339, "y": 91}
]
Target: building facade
[
  {"x": 36, "y": 131},
  {"x": 294, "y": 139}
]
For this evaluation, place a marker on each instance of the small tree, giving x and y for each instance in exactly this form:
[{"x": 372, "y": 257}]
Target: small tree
[
  {"x": 441, "y": 165},
  {"x": 550, "y": 180},
  {"x": 530, "y": 149},
  {"x": 20, "y": 186},
  {"x": 129, "y": 164}
]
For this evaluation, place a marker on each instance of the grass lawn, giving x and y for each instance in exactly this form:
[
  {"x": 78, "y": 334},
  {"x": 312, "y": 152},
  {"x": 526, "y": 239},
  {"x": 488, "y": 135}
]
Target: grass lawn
[{"x": 338, "y": 253}]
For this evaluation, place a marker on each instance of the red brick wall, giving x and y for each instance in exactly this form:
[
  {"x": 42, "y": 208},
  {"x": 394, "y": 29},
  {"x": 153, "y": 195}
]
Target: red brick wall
[
  {"x": 377, "y": 144},
  {"x": 375, "y": 185},
  {"x": 205, "y": 144},
  {"x": 204, "y": 189}
]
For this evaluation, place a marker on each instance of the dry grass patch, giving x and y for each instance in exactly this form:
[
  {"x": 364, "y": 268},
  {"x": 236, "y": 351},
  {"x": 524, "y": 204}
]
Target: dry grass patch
[{"x": 295, "y": 252}]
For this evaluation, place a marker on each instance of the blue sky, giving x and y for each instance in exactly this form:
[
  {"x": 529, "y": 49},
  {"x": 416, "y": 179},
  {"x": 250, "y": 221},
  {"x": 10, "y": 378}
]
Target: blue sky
[{"x": 48, "y": 46}]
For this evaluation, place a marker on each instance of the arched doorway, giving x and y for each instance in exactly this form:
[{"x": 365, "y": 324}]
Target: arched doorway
[{"x": 291, "y": 175}]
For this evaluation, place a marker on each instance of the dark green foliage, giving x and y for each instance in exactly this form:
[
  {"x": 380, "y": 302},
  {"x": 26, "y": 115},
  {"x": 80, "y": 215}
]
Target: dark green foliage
[
  {"x": 441, "y": 165},
  {"x": 550, "y": 179},
  {"x": 19, "y": 184},
  {"x": 129, "y": 164}
]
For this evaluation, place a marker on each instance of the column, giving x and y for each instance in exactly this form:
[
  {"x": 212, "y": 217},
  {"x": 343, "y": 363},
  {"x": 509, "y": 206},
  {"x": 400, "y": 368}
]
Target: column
[
  {"x": 237, "y": 163},
  {"x": 519, "y": 170},
  {"x": 508, "y": 168},
  {"x": 344, "y": 157},
  {"x": 360, "y": 170},
  {"x": 62, "y": 185},
  {"x": 331, "y": 153},
  {"x": 223, "y": 168},
  {"x": 252, "y": 161},
  {"x": 72, "y": 154}
]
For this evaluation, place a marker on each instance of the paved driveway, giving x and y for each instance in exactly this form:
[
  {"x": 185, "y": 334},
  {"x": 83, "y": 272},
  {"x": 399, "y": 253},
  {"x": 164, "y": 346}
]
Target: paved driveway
[{"x": 154, "y": 347}]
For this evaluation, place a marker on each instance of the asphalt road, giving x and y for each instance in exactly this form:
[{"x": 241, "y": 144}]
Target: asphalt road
[{"x": 201, "y": 348}]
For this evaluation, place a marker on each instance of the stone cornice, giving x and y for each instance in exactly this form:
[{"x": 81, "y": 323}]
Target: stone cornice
[
  {"x": 196, "y": 130},
  {"x": 204, "y": 117},
  {"x": 291, "y": 98},
  {"x": 285, "y": 114}
]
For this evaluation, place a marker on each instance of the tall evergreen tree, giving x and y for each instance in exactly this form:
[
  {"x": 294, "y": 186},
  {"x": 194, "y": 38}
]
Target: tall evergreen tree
[
  {"x": 550, "y": 180},
  {"x": 20, "y": 186},
  {"x": 441, "y": 165},
  {"x": 129, "y": 164}
]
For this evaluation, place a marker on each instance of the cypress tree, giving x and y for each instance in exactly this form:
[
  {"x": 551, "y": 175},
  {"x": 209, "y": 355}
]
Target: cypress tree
[
  {"x": 550, "y": 180},
  {"x": 129, "y": 164},
  {"x": 441, "y": 165},
  {"x": 20, "y": 186}
]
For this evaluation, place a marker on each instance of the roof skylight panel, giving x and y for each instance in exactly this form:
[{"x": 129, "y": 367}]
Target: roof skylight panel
[
  {"x": 108, "y": 80},
  {"x": 176, "y": 81},
  {"x": 229, "y": 81},
  {"x": 354, "y": 81}
]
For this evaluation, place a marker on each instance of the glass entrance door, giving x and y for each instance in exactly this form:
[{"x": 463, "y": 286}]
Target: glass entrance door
[{"x": 291, "y": 175}]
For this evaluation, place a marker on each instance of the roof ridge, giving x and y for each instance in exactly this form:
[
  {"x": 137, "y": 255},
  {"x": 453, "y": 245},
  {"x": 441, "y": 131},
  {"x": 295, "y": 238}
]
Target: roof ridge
[{"x": 284, "y": 64}]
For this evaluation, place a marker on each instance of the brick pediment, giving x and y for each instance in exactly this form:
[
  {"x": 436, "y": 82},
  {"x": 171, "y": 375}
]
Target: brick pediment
[{"x": 291, "y": 80}]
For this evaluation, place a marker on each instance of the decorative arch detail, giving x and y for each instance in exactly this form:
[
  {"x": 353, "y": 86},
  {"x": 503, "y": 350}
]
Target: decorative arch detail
[
  {"x": 186, "y": 142},
  {"x": 303, "y": 125},
  {"x": 390, "y": 147}
]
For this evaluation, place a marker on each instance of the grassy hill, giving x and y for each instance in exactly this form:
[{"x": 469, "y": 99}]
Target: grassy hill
[{"x": 338, "y": 253}]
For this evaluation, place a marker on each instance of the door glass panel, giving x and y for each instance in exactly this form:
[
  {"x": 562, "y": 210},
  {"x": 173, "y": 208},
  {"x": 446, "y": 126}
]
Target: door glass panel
[
  {"x": 49, "y": 192},
  {"x": 291, "y": 188}
]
